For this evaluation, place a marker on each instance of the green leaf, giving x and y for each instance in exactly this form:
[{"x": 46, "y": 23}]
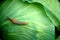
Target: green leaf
[
  {"x": 52, "y": 8},
  {"x": 53, "y": 18},
  {"x": 39, "y": 26}
]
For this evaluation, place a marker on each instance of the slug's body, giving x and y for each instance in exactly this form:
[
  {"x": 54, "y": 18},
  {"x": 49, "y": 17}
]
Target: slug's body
[{"x": 16, "y": 22}]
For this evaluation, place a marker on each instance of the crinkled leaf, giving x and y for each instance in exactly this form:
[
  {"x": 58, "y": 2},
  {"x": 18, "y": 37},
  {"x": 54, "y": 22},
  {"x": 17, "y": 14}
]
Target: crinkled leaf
[
  {"x": 39, "y": 26},
  {"x": 53, "y": 7}
]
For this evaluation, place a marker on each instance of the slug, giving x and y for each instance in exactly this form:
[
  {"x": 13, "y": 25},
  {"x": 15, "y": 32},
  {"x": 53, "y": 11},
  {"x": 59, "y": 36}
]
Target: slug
[{"x": 16, "y": 22}]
